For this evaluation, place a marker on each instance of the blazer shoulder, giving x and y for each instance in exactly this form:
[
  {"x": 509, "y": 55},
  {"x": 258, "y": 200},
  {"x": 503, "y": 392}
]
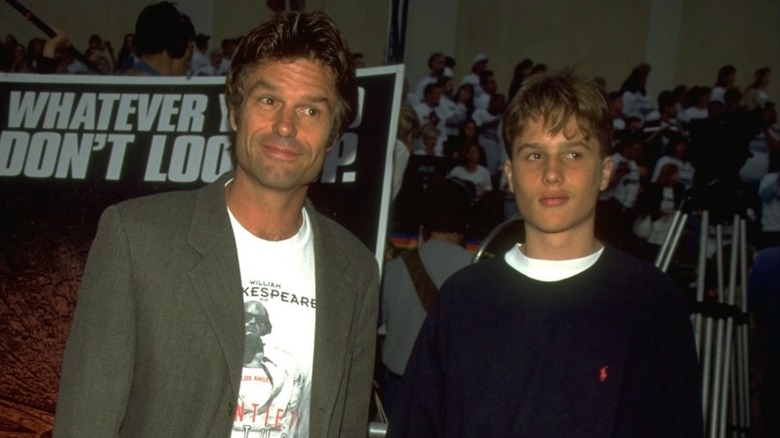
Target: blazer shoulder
[{"x": 334, "y": 235}]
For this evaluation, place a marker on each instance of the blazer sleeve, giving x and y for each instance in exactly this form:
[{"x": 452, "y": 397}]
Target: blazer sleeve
[{"x": 98, "y": 363}]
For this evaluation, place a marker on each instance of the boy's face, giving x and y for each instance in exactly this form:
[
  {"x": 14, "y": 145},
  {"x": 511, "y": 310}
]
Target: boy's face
[{"x": 556, "y": 179}]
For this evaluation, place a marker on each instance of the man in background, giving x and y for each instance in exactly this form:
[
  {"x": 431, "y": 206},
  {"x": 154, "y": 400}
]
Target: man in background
[
  {"x": 163, "y": 39},
  {"x": 411, "y": 281}
]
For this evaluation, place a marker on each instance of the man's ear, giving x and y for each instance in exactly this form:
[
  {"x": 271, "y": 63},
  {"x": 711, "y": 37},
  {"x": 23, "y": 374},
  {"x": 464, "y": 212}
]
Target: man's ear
[
  {"x": 606, "y": 173},
  {"x": 508, "y": 172},
  {"x": 334, "y": 139}
]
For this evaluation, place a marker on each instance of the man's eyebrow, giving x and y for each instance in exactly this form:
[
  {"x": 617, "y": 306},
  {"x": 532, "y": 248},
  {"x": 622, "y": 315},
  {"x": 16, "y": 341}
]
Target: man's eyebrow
[
  {"x": 524, "y": 146},
  {"x": 262, "y": 84}
]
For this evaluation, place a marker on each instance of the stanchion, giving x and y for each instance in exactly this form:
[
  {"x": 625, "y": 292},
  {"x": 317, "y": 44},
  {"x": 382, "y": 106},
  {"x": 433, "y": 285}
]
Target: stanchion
[
  {"x": 671, "y": 240},
  {"x": 722, "y": 344}
]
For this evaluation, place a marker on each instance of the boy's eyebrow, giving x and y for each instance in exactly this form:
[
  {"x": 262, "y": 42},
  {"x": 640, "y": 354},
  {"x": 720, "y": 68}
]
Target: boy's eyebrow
[{"x": 568, "y": 144}]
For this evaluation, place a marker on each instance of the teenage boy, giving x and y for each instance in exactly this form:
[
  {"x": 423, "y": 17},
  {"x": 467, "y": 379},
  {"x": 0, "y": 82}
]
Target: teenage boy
[{"x": 562, "y": 335}]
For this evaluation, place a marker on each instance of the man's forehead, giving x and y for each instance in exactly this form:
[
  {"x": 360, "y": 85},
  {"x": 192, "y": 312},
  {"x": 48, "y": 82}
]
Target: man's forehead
[{"x": 258, "y": 74}]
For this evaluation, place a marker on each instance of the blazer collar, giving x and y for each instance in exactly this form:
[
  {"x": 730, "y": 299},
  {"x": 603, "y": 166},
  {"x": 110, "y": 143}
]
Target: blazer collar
[{"x": 216, "y": 278}]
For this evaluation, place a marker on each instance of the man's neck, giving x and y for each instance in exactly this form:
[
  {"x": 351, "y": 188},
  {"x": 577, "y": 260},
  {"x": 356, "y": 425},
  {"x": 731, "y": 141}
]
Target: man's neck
[
  {"x": 160, "y": 62},
  {"x": 265, "y": 213}
]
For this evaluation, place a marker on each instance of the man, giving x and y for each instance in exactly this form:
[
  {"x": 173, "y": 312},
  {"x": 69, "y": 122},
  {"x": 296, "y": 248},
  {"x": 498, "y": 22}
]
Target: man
[
  {"x": 560, "y": 336},
  {"x": 429, "y": 112},
  {"x": 488, "y": 87},
  {"x": 618, "y": 201},
  {"x": 162, "y": 329},
  {"x": 474, "y": 78},
  {"x": 228, "y": 49},
  {"x": 436, "y": 69},
  {"x": 200, "y": 59},
  {"x": 163, "y": 39}
]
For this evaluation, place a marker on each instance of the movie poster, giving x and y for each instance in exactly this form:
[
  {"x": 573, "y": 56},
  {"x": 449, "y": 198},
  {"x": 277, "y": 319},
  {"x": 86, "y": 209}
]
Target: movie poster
[{"x": 72, "y": 145}]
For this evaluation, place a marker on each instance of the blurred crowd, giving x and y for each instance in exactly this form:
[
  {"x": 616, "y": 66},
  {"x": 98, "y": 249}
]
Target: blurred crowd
[{"x": 691, "y": 148}]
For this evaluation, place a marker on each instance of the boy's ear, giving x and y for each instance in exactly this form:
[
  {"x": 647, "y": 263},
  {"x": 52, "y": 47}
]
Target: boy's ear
[
  {"x": 606, "y": 172},
  {"x": 508, "y": 172}
]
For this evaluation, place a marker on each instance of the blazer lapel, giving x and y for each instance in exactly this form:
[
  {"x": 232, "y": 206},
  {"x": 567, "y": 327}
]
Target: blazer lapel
[
  {"x": 216, "y": 278},
  {"x": 335, "y": 316}
]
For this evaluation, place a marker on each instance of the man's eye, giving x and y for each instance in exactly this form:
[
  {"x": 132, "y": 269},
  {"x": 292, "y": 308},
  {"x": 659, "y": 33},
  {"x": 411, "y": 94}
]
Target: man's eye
[
  {"x": 310, "y": 112},
  {"x": 268, "y": 100},
  {"x": 534, "y": 156}
]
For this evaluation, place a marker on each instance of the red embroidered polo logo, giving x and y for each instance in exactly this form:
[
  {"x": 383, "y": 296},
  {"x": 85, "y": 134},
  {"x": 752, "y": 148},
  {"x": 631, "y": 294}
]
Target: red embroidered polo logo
[{"x": 603, "y": 374}]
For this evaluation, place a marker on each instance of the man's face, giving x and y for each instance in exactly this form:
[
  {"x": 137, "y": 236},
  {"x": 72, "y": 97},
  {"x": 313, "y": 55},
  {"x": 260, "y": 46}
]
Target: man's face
[
  {"x": 285, "y": 124},
  {"x": 556, "y": 179},
  {"x": 256, "y": 321},
  {"x": 490, "y": 85},
  {"x": 633, "y": 151},
  {"x": 617, "y": 104},
  {"x": 434, "y": 96},
  {"x": 429, "y": 140},
  {"x": 473, "y": 155},
  {"x": 437, "y": 64}
]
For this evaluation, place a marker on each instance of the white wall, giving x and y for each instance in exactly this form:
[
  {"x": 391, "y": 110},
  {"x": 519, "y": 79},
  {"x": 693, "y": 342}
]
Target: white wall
[{"x": 685, "y": 41}]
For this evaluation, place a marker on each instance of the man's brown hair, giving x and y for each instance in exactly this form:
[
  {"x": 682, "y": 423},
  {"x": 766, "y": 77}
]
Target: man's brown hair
[{"x": 292, "y": 35}]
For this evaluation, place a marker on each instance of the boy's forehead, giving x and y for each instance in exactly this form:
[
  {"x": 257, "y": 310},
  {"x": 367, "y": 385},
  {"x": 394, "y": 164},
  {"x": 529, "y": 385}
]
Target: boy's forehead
[{"x": 551, "y": 125}]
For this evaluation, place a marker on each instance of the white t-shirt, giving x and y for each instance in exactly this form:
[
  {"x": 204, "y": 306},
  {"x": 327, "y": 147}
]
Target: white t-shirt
[
  {"x": 685, "y": 170},
  {"x": 769, "y": 191},
  {"x": 480, "y": 177},
  {"x": 280, "y": 314},
  {"x": 625, "y": 190},
  {"x": 757, "y": 165},
  {"x": 548, "y": 270}
]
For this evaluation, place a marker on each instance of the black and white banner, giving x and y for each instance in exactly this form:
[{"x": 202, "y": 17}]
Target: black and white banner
[{"x": 72, "y": 145}]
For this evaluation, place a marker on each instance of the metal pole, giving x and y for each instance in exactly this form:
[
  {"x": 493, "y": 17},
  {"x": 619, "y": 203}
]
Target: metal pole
[
  {"x": 675, "y": 240},
  {"x": 742, "y": 341},
  {"x": 727, "y": 357},
  {"x": 702, "y": 267},
  {"x": 718, "y": 357},
  {"x": 662, "y": 253}
]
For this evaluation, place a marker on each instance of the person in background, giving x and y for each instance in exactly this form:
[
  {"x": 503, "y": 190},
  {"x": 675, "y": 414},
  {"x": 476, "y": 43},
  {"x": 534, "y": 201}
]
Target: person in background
[
  {"x": 410, "y": 281},
  {"x": 200, "y": 56},
  {"x": 470, "y": 170},
  {"x": 163, "y": 40},
  {"x": 727, "y": 76},
  {"x": 756, "y": 92}
]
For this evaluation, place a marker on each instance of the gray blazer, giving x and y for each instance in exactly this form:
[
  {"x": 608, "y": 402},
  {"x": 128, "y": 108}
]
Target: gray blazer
[{"x": 157, "y": 341}]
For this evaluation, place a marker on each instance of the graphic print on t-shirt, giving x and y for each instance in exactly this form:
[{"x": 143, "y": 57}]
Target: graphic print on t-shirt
[
  {"x": 279, "y": 318},
  {"x": 273, "y": 385}
]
